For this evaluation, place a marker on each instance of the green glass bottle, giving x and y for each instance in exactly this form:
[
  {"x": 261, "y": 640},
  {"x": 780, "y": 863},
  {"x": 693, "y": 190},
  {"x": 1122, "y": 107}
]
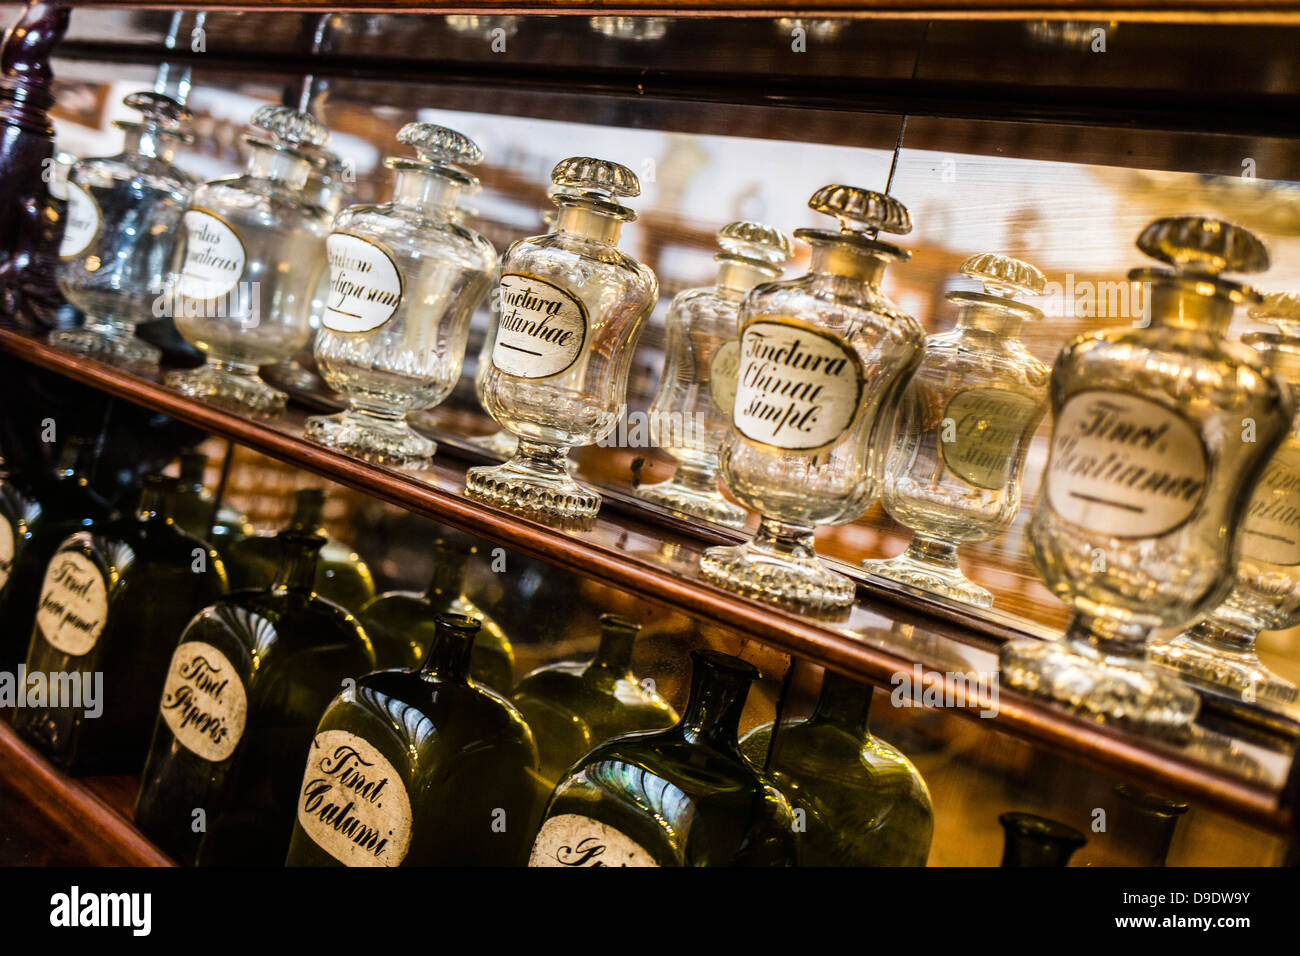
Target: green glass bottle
[
  {"x": 685, "y": 796},
  {"x": 1037, "y": 841},
  {"x": 863, "y": 802},
  {"x": 112, "y": 607},
  {"x": 341, "y": 575},
  {"x": 574, "y": 705},
  {"x": 247, "y": 683},
  {"x": 401, "y": 624},
  {"x": 420, "y": 767},
  {"x": 17, "y": 514},
  {"x": 191, "y": 507},
  {"x": 68, "y": 504}
]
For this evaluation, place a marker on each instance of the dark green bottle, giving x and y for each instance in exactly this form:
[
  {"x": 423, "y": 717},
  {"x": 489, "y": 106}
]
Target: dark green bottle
[
  {"x": 420, "y": 767},
  {"x": 685, "y": 796},
  {"x": 341, "y": 575},
  {"x": 245, "y": 688},
  {"x": 862, "y": 802},
  {"x": 112, "y": 607},
  {"x": 68, "y": 504},
  {"x": 191, "y": 507},
  {"x": 401, "y": 624},
  {"x": 1037, "y": 841},
  {"x": 17, "y": 514},
  {"x": 574, "y": 705}
]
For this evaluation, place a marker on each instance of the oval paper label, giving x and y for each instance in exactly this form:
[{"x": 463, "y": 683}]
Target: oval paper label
[
  {"x": 214, "y": 257},
  {"x": 983, "y": 432},
  {"x": 574, "y": 840},
  {"x": 74, "y": 603},
  {"x": 1124, "y": 466},
  {"x": 81, "y": 222},
  {"x": 541, "y": 329},
  {"x": 6, "y": 551},
  {"x": 797, "y": 389},
  {"x": 353, "y": 804},
  {"x": 365, "y": 286},
  {"x": 1270, "y": 530},
  {"x": 203, "y": 701},
  {"x": 722, "y": 375}
]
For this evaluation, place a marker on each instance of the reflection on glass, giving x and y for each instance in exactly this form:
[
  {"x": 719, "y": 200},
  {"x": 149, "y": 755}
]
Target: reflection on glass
[
  {"x": 953, "y": 469},
  {"x": 692, "y": 408}
]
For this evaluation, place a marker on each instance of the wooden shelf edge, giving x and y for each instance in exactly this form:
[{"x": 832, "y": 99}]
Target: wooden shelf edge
[
  {"x": 68, "y": 804},
  {"x": 1134, "y": 758}
]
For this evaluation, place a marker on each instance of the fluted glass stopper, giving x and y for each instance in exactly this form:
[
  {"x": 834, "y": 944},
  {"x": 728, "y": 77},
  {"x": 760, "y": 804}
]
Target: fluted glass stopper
[
  {"x": 595, "y": 176},
  {"x": 291, "y": 126},
  {"x": 1004, "y": 276},
  {"x": 755, "y": 242},
  {"x": 862, "y": 210},
  {"x": 157, "y": 108},
  {"x": 1281, "y": 310},
  {"x": 440, "y": 145},
  {"x": 1203, "y": 245}
]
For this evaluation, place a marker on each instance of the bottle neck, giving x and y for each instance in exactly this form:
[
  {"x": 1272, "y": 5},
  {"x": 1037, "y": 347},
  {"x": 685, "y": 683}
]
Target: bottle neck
[
  {"x": 718, "y": 691},
  {"x": 278, "y": 165},
  {"x": 448, "y": 581},
  {"x": 297, "y": 571},
  {"x": 614, "y": 655},
  {"x": 1187, "y": 303},
  {"x": 989, "y": 318},
  {"x": 76, "y": 458},
  {"x": 191, "y": 472},
  {"x": 736, "y": 276},
  {"x": 427, "y": 191},
  {"x": 588, "y": 223},
  {"x": 448, "y": 658},
  {"x": 844, "y": 703},
  {"x": 847, "y": 260},
  {"x": 153, "y": 501},
  {"x": 308, "y": 513},
  {"x": 148, "y": 141}
]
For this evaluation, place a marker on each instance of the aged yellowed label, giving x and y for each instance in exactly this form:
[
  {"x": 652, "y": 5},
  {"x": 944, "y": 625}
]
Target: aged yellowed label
[{"x": 574, "y": 840}]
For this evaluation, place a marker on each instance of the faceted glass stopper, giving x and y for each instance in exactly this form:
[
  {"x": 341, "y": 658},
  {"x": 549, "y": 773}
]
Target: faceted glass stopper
[
  {"x": 438, "y": 144},
  {"x": 595, "y": 175},
  {"x": 157, "y": 108},
  {"x": 862, "y": 210},
  {"x": 1004, "y": 276},
  {"x": 1280, "y": 309},
  {"x": 291, "y": 126},
  {"x": 753, "y": 240},
  {"x": 1202, "y": 244}
]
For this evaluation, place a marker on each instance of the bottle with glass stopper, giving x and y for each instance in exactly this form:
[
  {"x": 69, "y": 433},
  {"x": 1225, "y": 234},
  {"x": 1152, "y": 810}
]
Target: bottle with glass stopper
[
  {"x": 1219, "y": 650},
  {"x": 1160, "y": 433},
  {"x": 190, "y": 506},
  {"x": 685, "y": 796},
  {"x": 691, "y": 411},
  {"x": 112, "y": 606},
  {"x": 246, "y": 685},
  {"x": 823, "y": 357},
  {"x": 571, "y": 308},
  {"x": 401, "y": 624},
  {"x": 963, "y": 431},
  {"x": 572, "y": 706},
  {"x": 252, "y": 251},
  {"x": 405, "y": 277},
  {"x": 419, "y": 767},
  {"x": 864, "y": 803},
  {"x": 120, "y": 233}
]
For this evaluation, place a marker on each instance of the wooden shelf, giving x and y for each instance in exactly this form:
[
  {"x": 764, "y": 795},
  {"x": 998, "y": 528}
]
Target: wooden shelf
[{"x": 1243, "y": 774}]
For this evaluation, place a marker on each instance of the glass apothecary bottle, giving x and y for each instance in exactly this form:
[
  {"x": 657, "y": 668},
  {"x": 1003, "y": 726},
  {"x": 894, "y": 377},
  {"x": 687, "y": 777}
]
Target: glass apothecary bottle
[
  {"x": 822, "y": 358},
  {"x": 1031, "y": 840},
  {"x": 1220, "y": 649},
  {"x": 17, "y": 515},
  {"x": 684, "y": 796},
  {"x": 419, "y": 767},
  {"x": 571, "y": 306},
  {"x": 405, "y": 277},
  {"x": 953, "y": 468},
  {"x": 251, "y": 253},
  {"x": 1159, "y": 434},
  {"x": 572, "y": 706},
  {"x": 242, "y": 695},
  {"x": 113, "y": 605},
  {"x": 691, "y": 411},
  {"x": 65, "y": 505},
  {"x": 864, "y": 802},
  {"x": 120, "y": 233},
  {"x": 402, "y": 624},
  {"x": 341, "y": 575},
  {"x": 191, "y": 507}
]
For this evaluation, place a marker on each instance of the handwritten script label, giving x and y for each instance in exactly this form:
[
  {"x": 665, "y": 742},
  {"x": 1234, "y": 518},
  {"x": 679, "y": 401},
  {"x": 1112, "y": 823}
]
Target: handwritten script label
[
  {"x": 74, "y": 603},
  {"x": 574, "y": 840},
  {"x": 204, "y": 702},
  {"x": 365, "y": 286},
  {"x": 542, "y": 328}
]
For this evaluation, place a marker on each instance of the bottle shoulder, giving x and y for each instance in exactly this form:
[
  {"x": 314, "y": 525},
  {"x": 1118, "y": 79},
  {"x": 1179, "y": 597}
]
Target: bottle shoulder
[
  {"x": 412, "y": 233},
  {"x": 558, "y": 255},
  {"x": 261, "y": 202},
  {"x": 142, "y": 172},
  {"x": 845, "y": 307}
]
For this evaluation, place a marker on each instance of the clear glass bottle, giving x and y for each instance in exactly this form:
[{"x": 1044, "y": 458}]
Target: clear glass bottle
[
  {"x": 117, "y": 249},
  {"x": 571, "y": 307},
  {"x": 405, "y": 277},
  {"x": 251, "y": 254},
  {"x": 864, "y": 803},
  {"x": 401, "y": 624},
  {"x": 243, "y": 693},
  {"x": 419, "y": 767},
  {"x": 691, "y": 410},
  {"x": 823, "y": 357},
  {"x": 684, "y": 796},
  {"x": 964, "y": 427},
  {"x": 1220, "y": 649},
  {"x": 572, "y": 706},
  {"x": 112, "y": 606},
  {"x": 1159, "y": 434},
  {"x": 1031, "y": 840}
]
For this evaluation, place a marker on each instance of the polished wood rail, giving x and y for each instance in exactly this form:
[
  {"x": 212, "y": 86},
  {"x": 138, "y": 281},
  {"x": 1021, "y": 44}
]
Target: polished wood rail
[{"x": 880, "y": 640}]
